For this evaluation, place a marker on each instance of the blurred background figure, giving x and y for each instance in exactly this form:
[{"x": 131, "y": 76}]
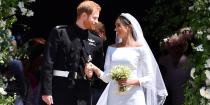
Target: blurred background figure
[
  {"x": 32, "y": 67},
  {"x": 100, "y": 30},
  {"x": 175, "y": 65},
  {"x": 16, "y": 69}
]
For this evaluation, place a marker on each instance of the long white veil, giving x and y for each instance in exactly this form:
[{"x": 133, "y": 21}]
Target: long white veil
[{"x": 156, "y": 92}]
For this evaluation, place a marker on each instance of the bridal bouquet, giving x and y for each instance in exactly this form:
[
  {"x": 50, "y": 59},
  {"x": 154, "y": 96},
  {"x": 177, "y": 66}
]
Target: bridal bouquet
[{"x": 120, "y": 72}]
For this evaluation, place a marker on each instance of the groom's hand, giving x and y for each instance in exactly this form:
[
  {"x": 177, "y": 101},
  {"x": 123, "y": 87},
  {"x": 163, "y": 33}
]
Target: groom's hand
[
  {"x": 47, "y": 99},
  {"x": 88, "y": 70}
]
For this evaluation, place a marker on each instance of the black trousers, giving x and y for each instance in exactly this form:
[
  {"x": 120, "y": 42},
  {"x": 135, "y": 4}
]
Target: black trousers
[{"x": 64, "y": 93}]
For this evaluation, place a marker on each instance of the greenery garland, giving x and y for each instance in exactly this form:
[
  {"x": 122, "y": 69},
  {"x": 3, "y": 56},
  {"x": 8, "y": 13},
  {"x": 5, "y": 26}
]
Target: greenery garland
[
  {"x": 197, "y": 90},
  {"x": 9, "y": 9}
]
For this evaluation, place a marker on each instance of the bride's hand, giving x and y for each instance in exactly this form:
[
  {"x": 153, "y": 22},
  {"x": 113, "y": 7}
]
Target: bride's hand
[
  {"x": 128, "y": 82},
  {"x": 95, "y": 69},
  {"x": 122, "y": 82}
]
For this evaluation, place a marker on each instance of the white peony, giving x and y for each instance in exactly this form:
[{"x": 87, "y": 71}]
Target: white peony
[
  {"x": 2, "y": 23},
  {"x": 165, "y": 39},
  {"x": 21, "y": 4},
  {"x": 191, "y": 8},
  {"x": 12, "y": 11},
  {"x": 199, "y": 32}
]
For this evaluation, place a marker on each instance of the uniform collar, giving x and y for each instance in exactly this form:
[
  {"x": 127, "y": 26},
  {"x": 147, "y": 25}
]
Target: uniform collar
[{"x": 81, "y": 33}]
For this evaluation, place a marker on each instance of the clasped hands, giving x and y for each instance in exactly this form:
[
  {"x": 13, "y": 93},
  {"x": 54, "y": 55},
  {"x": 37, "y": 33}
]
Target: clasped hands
[{"x": 89, "y": 69}]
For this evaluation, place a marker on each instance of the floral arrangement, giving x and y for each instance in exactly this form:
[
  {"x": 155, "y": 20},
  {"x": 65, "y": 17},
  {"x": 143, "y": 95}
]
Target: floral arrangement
[
  {"x": 9, "y": 9},
  {"x": 197, "y": 90},
  {"x": 5, "y": 98},
  {"x": 120, "y": 72}
]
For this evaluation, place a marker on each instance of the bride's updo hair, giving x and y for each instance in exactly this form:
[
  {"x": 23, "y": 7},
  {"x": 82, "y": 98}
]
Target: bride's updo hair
[{"x": 126, "y": 22}]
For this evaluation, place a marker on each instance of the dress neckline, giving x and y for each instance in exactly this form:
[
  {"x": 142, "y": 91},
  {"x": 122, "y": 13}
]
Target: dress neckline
[{"x": 125, "y": 47}]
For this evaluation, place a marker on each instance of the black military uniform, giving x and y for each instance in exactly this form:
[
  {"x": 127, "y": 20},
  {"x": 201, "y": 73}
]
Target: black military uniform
[{"x": 62, "y": 72}]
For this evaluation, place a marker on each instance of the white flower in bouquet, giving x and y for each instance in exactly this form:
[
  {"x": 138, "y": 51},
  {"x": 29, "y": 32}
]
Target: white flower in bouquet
[{"x": 120, "y": 72}]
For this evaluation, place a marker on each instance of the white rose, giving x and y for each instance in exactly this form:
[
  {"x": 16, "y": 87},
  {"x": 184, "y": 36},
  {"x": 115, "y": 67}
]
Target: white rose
[
  {"x": 207, "y": 82},
  {"x": 191, "y": 8},
  {"x": 30, "y": 1},
  {"x": 208, "y": 37},
  {"x": 1, "y": 61},
  {"x": 207, "y": 65},
  {"x": 199, "y": 48},
  {"x": 2, "y": 91},
  {"x": 205, "y": 92},
  {"x": 2, "y": 23},
  {"x": 192, "y": 73},
  {"x": 23, "y": 10},
  {"x": 199, "y": 32},
  {"x": 207, "y": 72}
]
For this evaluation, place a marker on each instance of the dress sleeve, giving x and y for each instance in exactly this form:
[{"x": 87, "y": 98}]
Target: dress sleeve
[
  {"x": 145, "y": 71},
  {"x": 105, "y": 76}
]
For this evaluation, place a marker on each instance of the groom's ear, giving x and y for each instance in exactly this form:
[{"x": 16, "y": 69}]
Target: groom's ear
[{"x": 84, "y": 16}]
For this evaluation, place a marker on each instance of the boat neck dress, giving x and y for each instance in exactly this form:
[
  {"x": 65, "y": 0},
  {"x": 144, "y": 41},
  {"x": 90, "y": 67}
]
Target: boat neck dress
[{"x": 136, "y": 59}]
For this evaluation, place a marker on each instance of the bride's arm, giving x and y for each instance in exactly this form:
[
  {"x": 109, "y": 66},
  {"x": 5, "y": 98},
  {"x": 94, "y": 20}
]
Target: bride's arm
[
  {"x": 145, "y": 74},
  {"x": 104, "y": 75},
  {"x": 97, "y": 71}
]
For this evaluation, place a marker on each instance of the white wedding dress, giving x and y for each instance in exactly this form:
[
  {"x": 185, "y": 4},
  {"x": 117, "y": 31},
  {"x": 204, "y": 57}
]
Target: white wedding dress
[{"x": 136, "y": 59}]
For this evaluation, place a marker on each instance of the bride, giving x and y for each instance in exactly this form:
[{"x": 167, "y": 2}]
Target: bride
[{"x": 146, "y": 86}]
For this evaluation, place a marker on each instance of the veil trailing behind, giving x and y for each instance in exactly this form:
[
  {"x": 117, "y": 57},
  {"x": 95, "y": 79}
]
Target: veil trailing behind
[{"x": 155, "y": 91}]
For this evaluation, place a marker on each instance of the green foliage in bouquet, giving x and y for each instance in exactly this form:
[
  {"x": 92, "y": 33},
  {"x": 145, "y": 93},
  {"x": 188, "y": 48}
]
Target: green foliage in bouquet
[{"x": 120, "y": 72}]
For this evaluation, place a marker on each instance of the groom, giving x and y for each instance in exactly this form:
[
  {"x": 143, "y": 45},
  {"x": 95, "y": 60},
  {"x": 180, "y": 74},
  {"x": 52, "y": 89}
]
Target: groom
[{"x": 63, "y": 79}]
